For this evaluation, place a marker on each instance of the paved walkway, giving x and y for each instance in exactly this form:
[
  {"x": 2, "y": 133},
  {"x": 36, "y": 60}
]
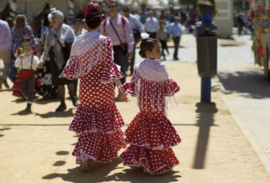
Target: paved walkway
[
  {"x": 244, "y": 90},
  {"x": 37, "y": 147}
]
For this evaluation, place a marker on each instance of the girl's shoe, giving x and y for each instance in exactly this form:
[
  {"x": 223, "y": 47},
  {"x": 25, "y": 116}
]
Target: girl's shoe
[{"x": 85, "y": 166}]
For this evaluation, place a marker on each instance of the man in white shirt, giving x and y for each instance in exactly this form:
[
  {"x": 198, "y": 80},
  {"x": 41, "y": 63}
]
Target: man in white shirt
[
  {"x": 137, "y": 28},
  {"x": 118, "y": 28},
  {"x": 175, "y": 31},
  {"x": 151, "y": 25},
  {"x": 5, "y": 53}
]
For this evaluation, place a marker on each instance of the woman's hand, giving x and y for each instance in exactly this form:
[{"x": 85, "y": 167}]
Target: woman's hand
[{"x": 63, "y": 44}]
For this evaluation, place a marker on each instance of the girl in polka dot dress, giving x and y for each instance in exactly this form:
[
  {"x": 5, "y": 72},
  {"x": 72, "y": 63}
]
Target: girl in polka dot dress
[
  {"x": 97, "y": 121},
  {"x": 150, "y": 134}
]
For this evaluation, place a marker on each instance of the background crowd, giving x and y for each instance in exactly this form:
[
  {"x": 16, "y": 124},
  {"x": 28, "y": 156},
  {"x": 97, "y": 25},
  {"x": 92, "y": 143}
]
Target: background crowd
[{"x": 124, "y": 27}]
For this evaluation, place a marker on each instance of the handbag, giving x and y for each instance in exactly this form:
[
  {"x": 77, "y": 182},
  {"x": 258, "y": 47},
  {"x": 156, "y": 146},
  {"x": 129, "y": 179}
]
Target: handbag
[
  {"x": 65, "y": 50},
  {"x": 27, "y": 73}
]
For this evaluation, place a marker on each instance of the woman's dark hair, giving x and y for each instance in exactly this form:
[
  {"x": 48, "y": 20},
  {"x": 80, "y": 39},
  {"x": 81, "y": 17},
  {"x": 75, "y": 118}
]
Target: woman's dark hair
[
  {"x": 93, "y": 20},
  {"x": 147, "y": 45}
]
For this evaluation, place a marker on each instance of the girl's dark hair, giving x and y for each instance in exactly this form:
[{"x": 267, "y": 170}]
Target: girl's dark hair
[
  {"x": 93, "y": 20},
  {"x": 147, "y": 45}
]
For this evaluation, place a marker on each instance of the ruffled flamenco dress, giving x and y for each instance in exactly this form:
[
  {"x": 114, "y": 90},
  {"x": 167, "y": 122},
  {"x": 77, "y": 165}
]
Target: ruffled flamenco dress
[
  {"x": 97, "y": 120},
  {"x": 151, "y": 134}
]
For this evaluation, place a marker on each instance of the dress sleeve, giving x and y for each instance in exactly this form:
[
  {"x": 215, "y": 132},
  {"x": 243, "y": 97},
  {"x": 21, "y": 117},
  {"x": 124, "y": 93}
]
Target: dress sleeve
[
  {"x": 110, "y": 69},
  {"x": 73, "y": 68},
  {"x": 171, "y": 87},
  {"x": 129, "y": 87}
]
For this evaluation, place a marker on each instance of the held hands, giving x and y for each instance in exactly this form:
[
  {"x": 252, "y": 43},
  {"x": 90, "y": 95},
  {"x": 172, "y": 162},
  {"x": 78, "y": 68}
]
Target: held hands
[{"x": 122, "y": 97}]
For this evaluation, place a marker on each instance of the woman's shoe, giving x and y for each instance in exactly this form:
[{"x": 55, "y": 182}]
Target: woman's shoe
[
  {"x": 61, "y": 107},
  {"x": 85, "y": 166}
]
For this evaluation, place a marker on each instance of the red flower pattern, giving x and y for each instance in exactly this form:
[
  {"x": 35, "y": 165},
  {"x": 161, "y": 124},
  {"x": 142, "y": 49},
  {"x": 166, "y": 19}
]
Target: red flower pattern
[{"x": 90, "y": 8}]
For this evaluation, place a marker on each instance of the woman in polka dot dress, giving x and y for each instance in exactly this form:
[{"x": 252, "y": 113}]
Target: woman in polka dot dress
[
  {"x": 150, "y": 134},
  {"x": 97, "y": 121}
]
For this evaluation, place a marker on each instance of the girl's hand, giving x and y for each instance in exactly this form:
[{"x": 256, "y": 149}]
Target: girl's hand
[{"x": 123, "y": 97}]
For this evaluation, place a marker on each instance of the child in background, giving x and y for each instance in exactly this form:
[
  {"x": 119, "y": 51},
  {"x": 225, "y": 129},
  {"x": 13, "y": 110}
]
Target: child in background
[
  {"x": 17, "y": 84},
  {"x": 150, "y": 134},
  {"x": 27, "y": 63}
]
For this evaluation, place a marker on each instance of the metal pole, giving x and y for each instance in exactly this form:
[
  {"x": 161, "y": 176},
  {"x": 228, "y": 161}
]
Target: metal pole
[
  {"x": 206, "y": 89},
  {"x": 206, "y": 81}
]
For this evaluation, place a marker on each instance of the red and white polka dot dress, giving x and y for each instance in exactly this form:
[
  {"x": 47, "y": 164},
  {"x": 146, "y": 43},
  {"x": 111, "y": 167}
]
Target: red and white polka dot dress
[
  {"x": 97, "y": 120},
  {"x": 150, "y": 134}
]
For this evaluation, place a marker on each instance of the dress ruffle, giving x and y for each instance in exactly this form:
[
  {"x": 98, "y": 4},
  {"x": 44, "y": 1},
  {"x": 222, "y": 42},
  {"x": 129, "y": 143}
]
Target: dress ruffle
[
  {"x": 98, "y": 146},
  {"x": 153, "y": 162},
  {"x": 114, "y": 73},
  {"x": 153, "y": 132},
  {"x": 105, "y": 119}
]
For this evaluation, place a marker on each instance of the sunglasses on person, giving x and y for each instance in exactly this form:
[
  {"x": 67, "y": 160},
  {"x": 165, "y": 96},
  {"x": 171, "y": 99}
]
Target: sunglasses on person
[{"x": 111, "y": 6}]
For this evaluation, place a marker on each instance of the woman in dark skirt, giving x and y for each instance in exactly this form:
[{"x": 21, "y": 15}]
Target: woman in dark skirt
[
  {"x": 47, "y": 89},
  {"x": 56, "y": 49}
]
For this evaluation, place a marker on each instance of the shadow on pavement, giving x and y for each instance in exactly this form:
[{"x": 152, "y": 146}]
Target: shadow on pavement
[
  {"x": 22, "y": 113},
  {"x": 249, "y": 84},
  {"x": 205, "y": 120},
  {"x": 102, "y": 173},
  {"x": 98, "y": 173},
  {"x": 46, "y": 100},
  {"x": 3, "y": 129},
  {"x": 61, "y": 153},
  {"x": 59, "y": 163},
  {"x": 62, "y": 114}
]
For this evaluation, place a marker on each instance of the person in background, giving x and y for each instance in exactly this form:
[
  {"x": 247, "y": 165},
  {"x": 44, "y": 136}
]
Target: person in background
[
  {"x": 151, "y": 24},
  {"x": 20, "y": 29},
  {"x": 240, "y": 22},
  {"x": 26, "y": 40},
  {"x": 78, "y": 27},
  {"x": 28, "y": 63},
  {"x": 162, "y": 36},
  {"x": 5, "y": 47},
  {"x": 117, "y": 27},
  {"x": 57, "y": 50},
  {"x": 47, "y": 89},
  {"x": 137, "y": 28},
  {"x": 176, "y": 33},
  {"x": 79, "y": 30}
]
